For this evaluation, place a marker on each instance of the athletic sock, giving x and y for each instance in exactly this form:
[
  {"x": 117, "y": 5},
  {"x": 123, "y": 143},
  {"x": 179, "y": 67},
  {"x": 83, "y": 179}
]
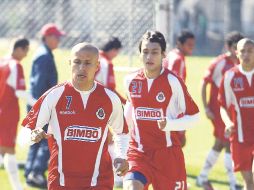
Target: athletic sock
[
  {"x": 211, "y": 159},
  {"x": 229, "y": 168},
  {"x": 1, "y": 160},
  {"x": 11, "y": 166}
]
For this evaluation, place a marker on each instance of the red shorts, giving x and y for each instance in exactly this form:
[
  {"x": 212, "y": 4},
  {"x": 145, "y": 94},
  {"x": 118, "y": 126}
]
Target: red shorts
[
  {"x": 8, "y": 132},
  {"x": 55, "y": 186},
  {"x": 242, "y": 155},
  {"x": 163, "y": 168},
  {"x": 219, "y": 130}
]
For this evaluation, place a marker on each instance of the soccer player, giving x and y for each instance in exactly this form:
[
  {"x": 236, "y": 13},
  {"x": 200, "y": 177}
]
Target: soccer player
[
  {"x": 159, "y": 105},
  {"x": 236, "y": 95},
  {"x": 175, "y": 61},
  {"x": 213, "y": 78},
  {"x": 12, "y": 84},
  {"x": 109, "y": 49},
  {"x": 79, "y": 114},
  {"x": 43, "y": 77}
]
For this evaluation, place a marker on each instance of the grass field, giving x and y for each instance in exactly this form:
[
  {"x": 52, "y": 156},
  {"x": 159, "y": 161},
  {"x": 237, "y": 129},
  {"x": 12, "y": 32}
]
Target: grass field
[{"x": 199, "y": 139}]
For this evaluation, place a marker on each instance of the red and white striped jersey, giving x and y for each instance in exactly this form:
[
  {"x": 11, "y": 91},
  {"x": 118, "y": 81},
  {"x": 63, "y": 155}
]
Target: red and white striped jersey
[
  {"x": 236, "y": 94},
  {"x": 152, "y": 99},
  {"x": 11, "y": 80},
  {"x": 214, "y": 76},
  {"x": 79, "y": 122},
  {"x": 175, "y": 61}
]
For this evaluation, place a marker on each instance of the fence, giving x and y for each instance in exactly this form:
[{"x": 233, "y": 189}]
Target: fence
[{"x": 82, "y": 20}]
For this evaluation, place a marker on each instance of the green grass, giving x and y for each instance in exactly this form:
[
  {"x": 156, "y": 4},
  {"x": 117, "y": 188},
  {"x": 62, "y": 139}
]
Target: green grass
[{"x": 199, "y": 139}]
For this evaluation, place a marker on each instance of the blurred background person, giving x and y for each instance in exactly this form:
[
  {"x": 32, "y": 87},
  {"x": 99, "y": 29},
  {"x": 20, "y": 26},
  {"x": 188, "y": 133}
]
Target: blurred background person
[
  {"x": 109, "y": 48},
  {"x": 12, "y": 84},
  {"x": 236, "y": 98},
  {"x": 43, "y": 77},
  {"x": 175, "y": 61},
  {"x": 213, "y": 77}
]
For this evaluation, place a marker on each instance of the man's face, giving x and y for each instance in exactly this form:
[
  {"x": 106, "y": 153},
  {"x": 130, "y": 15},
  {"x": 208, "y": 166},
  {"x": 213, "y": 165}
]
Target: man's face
[
  {"x": 245, "y": 54},
  {"x": 113, "y": 53},
  {"x": 53, "y": 41},
  {"x": 84, "y": 65},
  {"x": 151, "y": 56},
  {"x": 188, "y": 46},
  {"x": 22, "y": 52}
]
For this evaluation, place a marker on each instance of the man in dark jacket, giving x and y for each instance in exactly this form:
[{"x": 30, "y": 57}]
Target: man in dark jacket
[{"x": 43, "y": 77}]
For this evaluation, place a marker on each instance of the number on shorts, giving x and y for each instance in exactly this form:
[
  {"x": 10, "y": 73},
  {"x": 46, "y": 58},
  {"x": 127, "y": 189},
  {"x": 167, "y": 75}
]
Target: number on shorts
[{"x": 179, "y": 185}]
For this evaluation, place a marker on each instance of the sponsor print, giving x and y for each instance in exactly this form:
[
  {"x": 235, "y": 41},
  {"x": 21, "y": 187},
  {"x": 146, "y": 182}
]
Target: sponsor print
[{"x": 82, "y": 133}]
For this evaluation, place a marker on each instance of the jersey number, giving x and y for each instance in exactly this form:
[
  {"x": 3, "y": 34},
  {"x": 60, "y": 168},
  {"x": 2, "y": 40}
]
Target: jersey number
[
  {"x": 136, "y": 87},
  {"x": 69, "y": 99}
]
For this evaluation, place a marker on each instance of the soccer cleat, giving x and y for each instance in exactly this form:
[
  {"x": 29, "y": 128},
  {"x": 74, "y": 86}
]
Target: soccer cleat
[
  {"x": 236, "y": 187},
  {"x": 36, "y": 180},
  {"x": 204, "y": 183}
]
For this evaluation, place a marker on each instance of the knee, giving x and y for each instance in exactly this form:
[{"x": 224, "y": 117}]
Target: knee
[{"x": 132, "y": 185}]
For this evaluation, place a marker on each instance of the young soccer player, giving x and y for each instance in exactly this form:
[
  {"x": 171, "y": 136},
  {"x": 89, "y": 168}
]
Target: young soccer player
[
  {"x": 159, "y": 105},
  {"x": 13, "y": 87},
  {"x": 236, "y": 95}
]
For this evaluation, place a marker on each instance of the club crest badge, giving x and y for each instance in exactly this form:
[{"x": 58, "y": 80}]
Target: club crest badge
[
  {"x": 100, "y": 114},
  {"x": 160, "y": 97}
]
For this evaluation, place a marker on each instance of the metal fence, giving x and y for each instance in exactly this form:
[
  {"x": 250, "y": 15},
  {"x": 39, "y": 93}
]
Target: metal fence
[{"x": 82, "y": 20}]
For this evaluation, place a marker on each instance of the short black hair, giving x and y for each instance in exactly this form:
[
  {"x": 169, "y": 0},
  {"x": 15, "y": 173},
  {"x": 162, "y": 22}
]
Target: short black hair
[
  {"x": 184, "y": 35},
  {"x": 154, "y": 36},
  {"x": 233, "y": 38},
  {"x": 21, "y": 42},
  {"x": 110, "y": 43}
]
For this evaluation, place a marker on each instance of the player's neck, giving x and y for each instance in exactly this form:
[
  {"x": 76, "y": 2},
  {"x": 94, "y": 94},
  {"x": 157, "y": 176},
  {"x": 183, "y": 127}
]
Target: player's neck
[
  {"x": 152, "y": 74},
  {"x": 248, "y": 67},
  {"x": 83, "y": 87}
]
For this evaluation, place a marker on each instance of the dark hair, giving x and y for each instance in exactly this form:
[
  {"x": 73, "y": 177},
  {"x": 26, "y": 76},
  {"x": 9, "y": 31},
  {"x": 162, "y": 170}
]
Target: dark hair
[
  {"x": 154, "y": 36},
  {"x": 184, "y": 36},
  {"x": 233, "y": 37},
  {"x": 110, "y": 43},
  {"x": 21, "y": 42}
]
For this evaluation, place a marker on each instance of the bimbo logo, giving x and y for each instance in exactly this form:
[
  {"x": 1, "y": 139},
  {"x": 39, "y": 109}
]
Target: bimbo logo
[
  {"x": 82, "y": 133},
  {"x": 247, "y": 102},
  {"x": 143, "y": 113}
]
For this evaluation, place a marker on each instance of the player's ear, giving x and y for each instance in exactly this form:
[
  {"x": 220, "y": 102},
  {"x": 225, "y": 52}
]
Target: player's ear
[
  {"x": 163, "y": 53},
  {"x": 98, "y": 65}
]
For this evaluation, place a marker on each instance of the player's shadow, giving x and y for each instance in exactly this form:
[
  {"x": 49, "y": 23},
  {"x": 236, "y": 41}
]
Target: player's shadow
[{"x": 214, "y": 181}]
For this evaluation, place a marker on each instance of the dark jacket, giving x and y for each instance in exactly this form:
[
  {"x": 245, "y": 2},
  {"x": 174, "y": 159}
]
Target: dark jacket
[{"x": 43, "y": 75}]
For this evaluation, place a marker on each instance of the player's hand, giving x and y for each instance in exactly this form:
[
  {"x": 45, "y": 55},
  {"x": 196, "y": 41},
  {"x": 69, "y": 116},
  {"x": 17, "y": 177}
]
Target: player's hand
[
  {"x": 121, "y": 166},
  {"x": 38, "y": 134},
  {"x": 162, "y": 123},
  {"x": 209, "y": 113},
  {"x": 228, "y": 131}
]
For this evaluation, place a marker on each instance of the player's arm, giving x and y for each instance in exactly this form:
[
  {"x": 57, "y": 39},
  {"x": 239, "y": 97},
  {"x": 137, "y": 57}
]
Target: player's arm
[
  {"x": 208, "y": 111},
  {"x": 225, "y": 99},
  {"x": 120, "y": 134},
  {"x": 35, "y": 120},
  {"x": 20, "y": 87},
  {"x": 182, "y": 112},
  {"x": 25, "y": 95}
]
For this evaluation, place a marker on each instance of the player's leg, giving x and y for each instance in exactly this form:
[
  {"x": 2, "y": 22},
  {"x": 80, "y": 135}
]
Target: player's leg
[
  {"x": 11, "y": 167},
  {"x": 37, "y": 175},
  {"x": 228, "y": 163},
  {"x": 134, "y": 181},
  {"x": 211, "y": 159},
  {"x": 248, "y": 180}
]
